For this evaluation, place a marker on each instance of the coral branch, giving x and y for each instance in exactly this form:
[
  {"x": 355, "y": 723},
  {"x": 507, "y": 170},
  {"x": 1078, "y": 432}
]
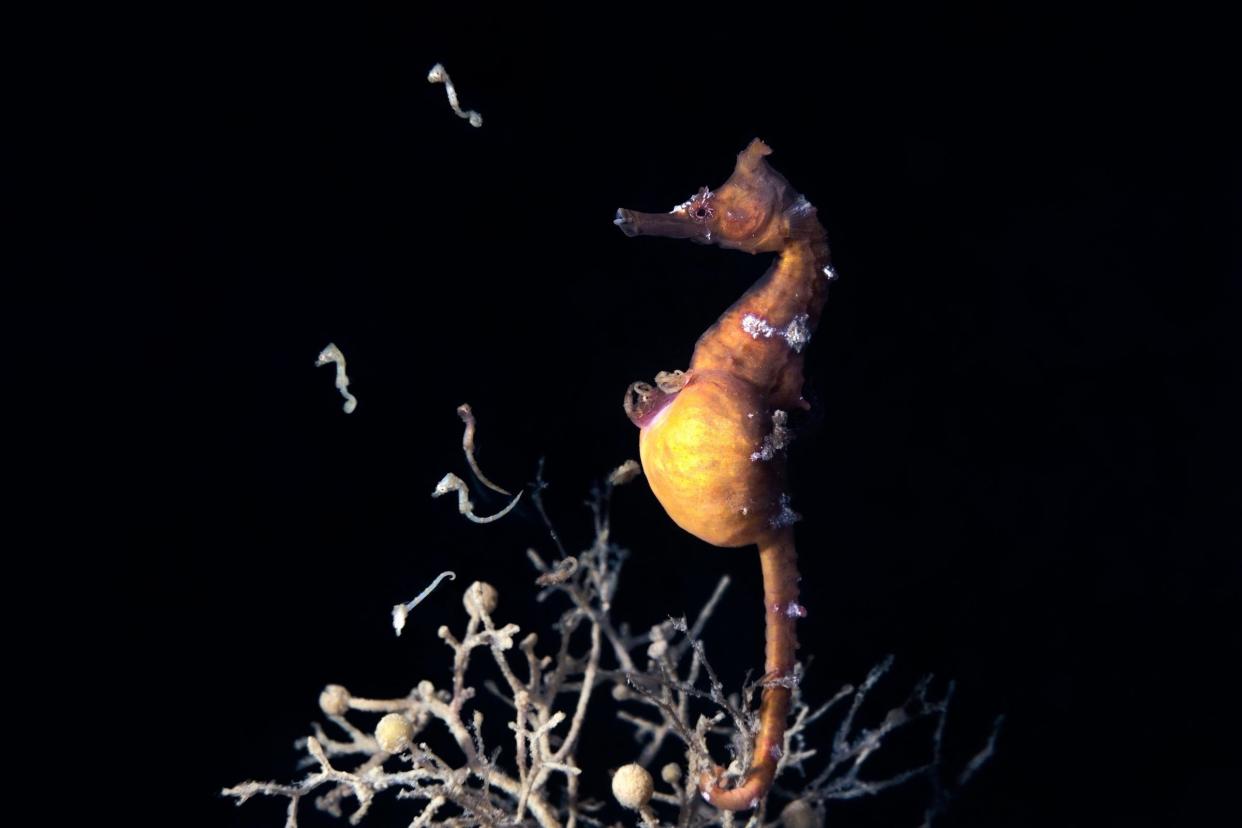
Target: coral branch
[{"x": 665, "y": 689}]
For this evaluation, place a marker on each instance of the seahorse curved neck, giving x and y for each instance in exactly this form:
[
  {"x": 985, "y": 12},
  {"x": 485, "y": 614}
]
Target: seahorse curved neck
[{"x": 761, "y": 337}]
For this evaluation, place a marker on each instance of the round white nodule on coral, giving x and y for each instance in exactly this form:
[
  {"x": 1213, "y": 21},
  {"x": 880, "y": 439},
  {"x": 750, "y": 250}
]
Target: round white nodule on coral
[
  {"x": 800, "y": 814},
  {"x": 334, "y": 700},
  {"x": 671, "y": 773},
  {"x": 393, "y": 733},
  {"x": 632, "y": 786},
  {"x": 480, "y": 594}
]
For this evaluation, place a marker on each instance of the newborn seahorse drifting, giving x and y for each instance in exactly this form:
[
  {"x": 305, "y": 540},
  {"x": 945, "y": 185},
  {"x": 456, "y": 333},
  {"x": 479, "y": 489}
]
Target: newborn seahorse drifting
[{"x": 712, "y": 436}]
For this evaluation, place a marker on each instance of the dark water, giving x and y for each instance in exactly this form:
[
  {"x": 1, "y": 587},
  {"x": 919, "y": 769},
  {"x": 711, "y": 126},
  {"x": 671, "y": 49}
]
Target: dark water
[{"x": 1022, "y": 467}]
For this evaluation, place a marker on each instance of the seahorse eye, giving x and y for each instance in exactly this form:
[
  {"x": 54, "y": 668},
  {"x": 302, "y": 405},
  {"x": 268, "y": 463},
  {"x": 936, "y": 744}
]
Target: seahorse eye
[{"x": 700, "y": 206}]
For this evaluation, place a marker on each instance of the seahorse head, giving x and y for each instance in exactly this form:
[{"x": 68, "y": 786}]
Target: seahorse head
[{"x": 755, "y": 210}]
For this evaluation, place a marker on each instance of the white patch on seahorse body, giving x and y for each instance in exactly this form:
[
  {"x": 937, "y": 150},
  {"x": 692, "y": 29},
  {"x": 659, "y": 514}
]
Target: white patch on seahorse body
[
  {"x": 681, "y": 208},
  {"x": 776, "y": 440},
  {"x": 796, "y": 334},
  {"x": 829, "y": 273},
  {"x": 757, "y": 327},
  {"x": 789, "y": 680},
  {"x": 786, "y": 516},
  {"x": 795, "y": 610}
]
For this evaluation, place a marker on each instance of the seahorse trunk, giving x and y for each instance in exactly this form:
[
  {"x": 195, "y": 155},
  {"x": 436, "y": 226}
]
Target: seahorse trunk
[{"x": 781, "y": 609}]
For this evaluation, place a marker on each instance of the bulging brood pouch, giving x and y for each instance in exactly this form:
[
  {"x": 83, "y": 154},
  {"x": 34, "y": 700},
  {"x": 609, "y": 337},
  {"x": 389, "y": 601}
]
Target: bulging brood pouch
[{"x": 713, "y": 436}]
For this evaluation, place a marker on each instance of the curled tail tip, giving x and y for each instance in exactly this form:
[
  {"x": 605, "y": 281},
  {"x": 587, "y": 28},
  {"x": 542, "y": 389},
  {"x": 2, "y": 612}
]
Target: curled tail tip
[{"x": 745, "y": 796}]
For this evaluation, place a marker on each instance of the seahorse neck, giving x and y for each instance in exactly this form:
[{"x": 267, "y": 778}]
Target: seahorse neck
[{"x": 762, "y": 336}]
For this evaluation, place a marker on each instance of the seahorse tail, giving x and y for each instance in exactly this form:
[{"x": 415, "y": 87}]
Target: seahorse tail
[{"x": 779, "y": 561}]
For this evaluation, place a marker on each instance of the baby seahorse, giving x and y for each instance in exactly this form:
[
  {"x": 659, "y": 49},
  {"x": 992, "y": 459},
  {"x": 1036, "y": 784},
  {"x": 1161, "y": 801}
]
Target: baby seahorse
[{"x": 712, "y": 436}]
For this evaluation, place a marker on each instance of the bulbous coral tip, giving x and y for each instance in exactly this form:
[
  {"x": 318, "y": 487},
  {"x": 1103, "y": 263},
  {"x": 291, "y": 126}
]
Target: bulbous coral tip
[
  {"x": 480, "y": 596},
  {"x": 334, "y": 700},
  {"x": 801, "y": 814},
  {"x": 393, "y": 733},
  {"x": 632, "y": 786}
]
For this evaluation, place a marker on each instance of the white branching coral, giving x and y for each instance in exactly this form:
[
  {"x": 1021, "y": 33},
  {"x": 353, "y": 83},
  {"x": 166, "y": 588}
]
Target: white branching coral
[
  {"x": 662, "y": 686},
  {"x": 632, "y": 786}
]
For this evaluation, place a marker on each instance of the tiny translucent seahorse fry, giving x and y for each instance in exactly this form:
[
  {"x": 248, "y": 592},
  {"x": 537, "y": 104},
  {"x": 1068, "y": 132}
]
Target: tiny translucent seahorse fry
[
  {"x": 333, "y": 354},
  {"x": 713, "y": 437},
  {"x": 452, "y": 483},
  {"x": 401, "y": 611},
  {"x": 439, "y": 74}
]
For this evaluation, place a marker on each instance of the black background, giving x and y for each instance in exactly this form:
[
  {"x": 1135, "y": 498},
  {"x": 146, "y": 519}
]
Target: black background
[{"x": 1023, "y": 468}]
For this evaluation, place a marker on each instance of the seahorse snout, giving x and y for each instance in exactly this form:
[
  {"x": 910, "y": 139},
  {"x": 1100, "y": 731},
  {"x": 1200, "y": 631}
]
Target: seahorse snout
[{"x": 669, "y": 225}]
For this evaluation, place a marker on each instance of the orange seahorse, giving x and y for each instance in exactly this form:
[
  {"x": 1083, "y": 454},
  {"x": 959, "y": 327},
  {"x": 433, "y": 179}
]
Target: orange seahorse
[{"x": 712, "y": 437}]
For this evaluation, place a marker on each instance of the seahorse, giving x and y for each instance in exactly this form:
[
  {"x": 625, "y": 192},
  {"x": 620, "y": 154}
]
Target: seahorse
[{"x": 712, "y": 436}]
